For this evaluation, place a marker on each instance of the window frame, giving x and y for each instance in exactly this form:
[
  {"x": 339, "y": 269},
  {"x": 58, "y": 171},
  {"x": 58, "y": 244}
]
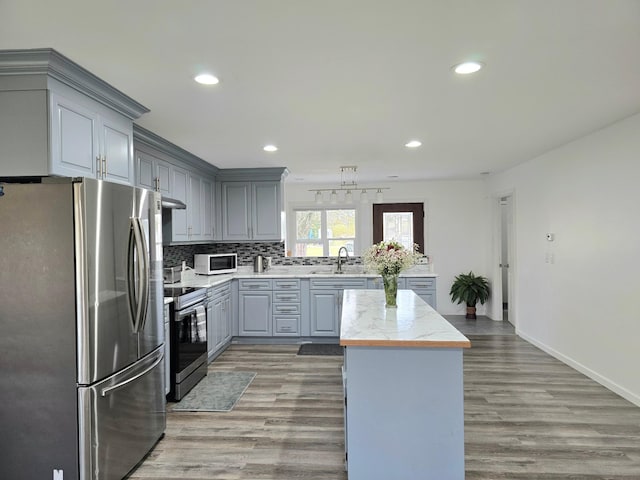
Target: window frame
[
  {"x": 324, "y": 238},
  {"x": 417, "y": 208}
]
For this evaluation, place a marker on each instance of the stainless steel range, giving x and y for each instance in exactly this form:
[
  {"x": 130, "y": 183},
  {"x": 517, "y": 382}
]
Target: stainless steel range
[{"x": 188, "y": 339}]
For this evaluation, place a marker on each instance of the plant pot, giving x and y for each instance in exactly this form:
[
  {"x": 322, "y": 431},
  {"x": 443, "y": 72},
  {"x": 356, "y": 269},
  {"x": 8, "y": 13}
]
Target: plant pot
[{"x": 471, "y": 312}]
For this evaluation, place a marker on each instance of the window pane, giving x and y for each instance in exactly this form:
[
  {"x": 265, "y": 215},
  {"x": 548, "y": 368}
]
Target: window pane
[
  {"x": 398, "y": 226},
  {"x": 308, "y": 224},
  {"x": 341, "y": 224},
  {"x": 334, "y": 246},
  {"x": 309, "y": 250}
]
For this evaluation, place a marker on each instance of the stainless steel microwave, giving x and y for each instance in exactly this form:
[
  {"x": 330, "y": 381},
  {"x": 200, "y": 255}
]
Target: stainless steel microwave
[{"x": 215, "y": 263}]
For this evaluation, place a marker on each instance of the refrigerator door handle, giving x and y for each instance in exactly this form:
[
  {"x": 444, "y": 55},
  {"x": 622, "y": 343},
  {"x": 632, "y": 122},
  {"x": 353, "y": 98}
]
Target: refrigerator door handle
[
  {"x": 138, "y": 275},
  {"x": 146, "y": 275},
  {"x": 117, "y": 386}
]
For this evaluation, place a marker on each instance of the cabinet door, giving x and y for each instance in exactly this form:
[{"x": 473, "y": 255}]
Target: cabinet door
[
  {"x": 265, "y": 212},
  {"x": 163, "y": 173},
  {"x": 236, "y": 209},
  {"x": 145, "y": 170},
  {"x": 74, "y": 138},
  {"x": 211, "y": 328},
  {"x": 194, "y": 207},
  {"x": 324, "y": 313},
  {"x": 255, "y": 314},
  {"x": 207, "y": 210},
  {"x": 226, "y": 320},
  {"x": 179, "y": 220},
  {"x": 116, "y": 136}
]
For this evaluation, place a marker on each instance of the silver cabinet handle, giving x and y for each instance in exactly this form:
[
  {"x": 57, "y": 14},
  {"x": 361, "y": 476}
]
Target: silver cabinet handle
[
  {"x": 98, "y": 167},
  {"x": 104, "y": 167},
  {"x": 108, "y": 390}
]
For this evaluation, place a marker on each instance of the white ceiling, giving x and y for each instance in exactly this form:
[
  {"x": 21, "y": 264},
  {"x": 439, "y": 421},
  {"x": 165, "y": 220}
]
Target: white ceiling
[{"x": 349, "y": 82}]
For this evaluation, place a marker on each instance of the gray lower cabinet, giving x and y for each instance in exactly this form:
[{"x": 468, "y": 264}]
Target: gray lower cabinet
[
  {"x": 218, "y": 319},
  {"x": 254, "y": 308},
  {"x": 424, "y": 287},
  {"x": 287, "y": 307},
  {"x": 325, "y": 299}
]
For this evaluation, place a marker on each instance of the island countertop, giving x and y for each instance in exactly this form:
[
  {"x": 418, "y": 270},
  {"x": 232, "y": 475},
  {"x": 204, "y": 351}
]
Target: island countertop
[{"x": 413, "y": 323}]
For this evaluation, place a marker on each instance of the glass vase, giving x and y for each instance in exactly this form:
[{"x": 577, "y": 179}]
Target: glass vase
[{"x": 390, "y": 281}]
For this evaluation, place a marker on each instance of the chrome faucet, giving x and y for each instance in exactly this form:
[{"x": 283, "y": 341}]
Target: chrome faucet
[{"x": 346, "y": 253}]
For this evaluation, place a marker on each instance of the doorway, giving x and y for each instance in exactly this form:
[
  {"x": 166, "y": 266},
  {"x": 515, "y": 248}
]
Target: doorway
[{"x": 503, "y": 292}]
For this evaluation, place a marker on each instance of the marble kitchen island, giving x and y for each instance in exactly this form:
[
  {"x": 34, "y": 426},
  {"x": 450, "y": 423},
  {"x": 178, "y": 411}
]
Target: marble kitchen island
[{"x": 404, "y": 414}]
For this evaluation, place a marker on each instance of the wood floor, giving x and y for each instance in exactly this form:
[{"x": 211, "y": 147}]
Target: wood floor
[{"x": 527, "y": 416}]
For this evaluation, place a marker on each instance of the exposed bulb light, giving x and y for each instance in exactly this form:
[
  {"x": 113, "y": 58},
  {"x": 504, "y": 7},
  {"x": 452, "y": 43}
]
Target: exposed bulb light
[
  {"x": 334, "y": 197},
  {"x": 207, "y": 79},
  {"x": 364, "y": 198},
  {"x": 413, "y": 144},
  {"x": 318, "y": 198},
  {"x": 348, "y": 197},
  {"x": 467, "y": 67},
  {"x": 270, "y": 148},
  {"x": 379, "y": 196}
]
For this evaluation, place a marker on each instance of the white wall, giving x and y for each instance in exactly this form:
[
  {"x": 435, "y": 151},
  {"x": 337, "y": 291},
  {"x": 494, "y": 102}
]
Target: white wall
[
  {"x": 456, "y": 226},
  {"x": 583, "y": 307}
]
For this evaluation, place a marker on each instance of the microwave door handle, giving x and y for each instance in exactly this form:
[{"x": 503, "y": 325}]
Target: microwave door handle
[{"x": 143, "y": 259}]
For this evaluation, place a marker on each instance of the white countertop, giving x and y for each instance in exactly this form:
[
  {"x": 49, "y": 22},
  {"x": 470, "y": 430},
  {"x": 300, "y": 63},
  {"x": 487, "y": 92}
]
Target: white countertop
[
  {"x": 191, "y": 279},
  {"x": 413, "y": 323}
]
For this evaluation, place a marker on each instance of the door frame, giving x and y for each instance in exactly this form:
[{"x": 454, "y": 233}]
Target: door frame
[
  {"x": 496, "y": 258},
  {"x": 417, "y": 208}
]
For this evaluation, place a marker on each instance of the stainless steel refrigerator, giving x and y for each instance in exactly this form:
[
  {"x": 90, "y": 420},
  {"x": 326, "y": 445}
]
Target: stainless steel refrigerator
[{"x": 82, "y": 337}]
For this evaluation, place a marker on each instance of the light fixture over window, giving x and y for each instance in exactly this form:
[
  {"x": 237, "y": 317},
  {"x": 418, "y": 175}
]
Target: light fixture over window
[
  {"x": 348, "y": 184},
  {"x": 318, "y": 198}
]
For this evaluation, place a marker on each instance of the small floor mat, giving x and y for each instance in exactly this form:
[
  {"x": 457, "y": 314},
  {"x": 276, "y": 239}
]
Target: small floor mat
[
  {"x": 320, "y": 349},
  {"x": 217, "y": 392}
]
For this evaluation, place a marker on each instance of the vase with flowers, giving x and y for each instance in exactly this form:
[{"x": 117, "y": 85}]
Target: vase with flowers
[{"x": 389, "y": 259}]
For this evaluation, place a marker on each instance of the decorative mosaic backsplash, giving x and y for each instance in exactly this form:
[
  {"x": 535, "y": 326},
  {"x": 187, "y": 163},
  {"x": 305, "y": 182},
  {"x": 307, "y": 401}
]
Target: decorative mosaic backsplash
[{"x": 175, "y": 254}]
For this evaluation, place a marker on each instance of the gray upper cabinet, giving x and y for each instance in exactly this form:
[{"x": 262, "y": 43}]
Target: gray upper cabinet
[
  {"x": 251, "y": 203},
  {"x": 251, "y": 210},
  {"x": 57, "y": 118},
  {"x": 265, "y": 211},
  {"x": 236, "y": 211},
  {"x": 179, "y": 175},
  {"x": 153, "y": 173},
  {"x": 90, "y": 144}
]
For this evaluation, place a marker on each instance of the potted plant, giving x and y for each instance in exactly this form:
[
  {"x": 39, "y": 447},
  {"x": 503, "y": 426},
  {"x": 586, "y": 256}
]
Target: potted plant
[{"x": 470, "y": 289}]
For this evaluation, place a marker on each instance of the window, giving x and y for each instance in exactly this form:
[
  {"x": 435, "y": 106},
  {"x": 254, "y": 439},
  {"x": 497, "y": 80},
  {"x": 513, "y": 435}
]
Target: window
[
  {"x": 402, "y": 222},
  {"x": 321, "y": 232}
]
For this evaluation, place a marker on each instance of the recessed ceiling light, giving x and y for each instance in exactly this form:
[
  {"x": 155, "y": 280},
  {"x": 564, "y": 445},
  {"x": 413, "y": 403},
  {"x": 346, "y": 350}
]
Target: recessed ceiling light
[
  {"x": 413, "y": 144},
  {"x": 207, "y": 79},
  {"x": 467, "y": 67},
  {"x": 270, "y": 148},
  {"x": 392, "y": 176}
]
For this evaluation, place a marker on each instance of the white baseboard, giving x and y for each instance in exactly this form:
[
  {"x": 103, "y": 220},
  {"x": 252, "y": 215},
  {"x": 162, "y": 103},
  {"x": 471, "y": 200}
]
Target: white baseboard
[{"x": 605, "y": 382}]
